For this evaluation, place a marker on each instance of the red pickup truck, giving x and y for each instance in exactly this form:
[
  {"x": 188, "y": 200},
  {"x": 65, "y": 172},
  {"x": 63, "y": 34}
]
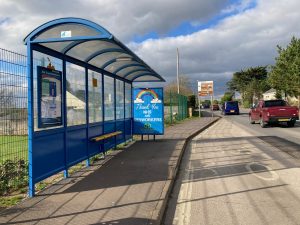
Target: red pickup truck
[{"x": 273, "y": 111}]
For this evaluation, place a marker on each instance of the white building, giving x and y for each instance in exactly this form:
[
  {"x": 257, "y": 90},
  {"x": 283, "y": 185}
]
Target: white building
[{"x": 270, "y": 94}]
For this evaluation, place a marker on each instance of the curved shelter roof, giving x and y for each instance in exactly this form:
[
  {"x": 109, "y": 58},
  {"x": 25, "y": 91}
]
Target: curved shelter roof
[{"x": 91, "y": 43}]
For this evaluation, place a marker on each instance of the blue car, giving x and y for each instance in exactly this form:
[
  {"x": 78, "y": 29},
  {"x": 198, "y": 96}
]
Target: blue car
[{"x": 230, "y": 107}]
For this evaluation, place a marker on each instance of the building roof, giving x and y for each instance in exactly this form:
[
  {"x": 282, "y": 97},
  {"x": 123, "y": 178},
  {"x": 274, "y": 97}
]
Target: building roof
[{"x": 272, "y": 90}]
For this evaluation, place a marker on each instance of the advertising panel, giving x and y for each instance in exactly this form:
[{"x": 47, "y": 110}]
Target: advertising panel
[
  {"x": 148, "y": 112},
  {"x": 49, "y": 97},
  {"x": 205, "y": 88}
]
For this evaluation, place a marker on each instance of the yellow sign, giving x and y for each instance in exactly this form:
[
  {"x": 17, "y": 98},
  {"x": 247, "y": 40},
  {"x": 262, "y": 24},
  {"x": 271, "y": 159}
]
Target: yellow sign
[{"x": 95, "y": 82}]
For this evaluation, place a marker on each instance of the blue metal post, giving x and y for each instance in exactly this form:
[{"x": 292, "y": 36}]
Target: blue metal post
[
  {"x": 124, "y": 105},
  {"x": 87, "y": 115},
  {"x": 31, "y": 187},
  {"x": 65, "y": 120},
  {"x": 115, "y": 109},
  {"x": 103, "y": 111},
  {"x": 131, "y": 112}
]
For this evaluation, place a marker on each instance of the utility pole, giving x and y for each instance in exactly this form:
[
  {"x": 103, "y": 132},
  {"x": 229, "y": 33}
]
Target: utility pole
[{"x": 177, "y": 71}]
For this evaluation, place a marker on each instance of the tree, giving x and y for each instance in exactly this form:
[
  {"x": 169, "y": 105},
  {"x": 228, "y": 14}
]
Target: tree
[
  {"x": 227, "y": 97},
  {"x": 285, "y": 74},
  {"x": 250, "y": 83},
  {"x": 184, "y": 87}
]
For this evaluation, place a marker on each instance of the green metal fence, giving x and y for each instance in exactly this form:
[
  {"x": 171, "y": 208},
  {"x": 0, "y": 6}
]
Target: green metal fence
[
  {"x": 13, "y": 121},
  {"x": 176, "y": 107}
]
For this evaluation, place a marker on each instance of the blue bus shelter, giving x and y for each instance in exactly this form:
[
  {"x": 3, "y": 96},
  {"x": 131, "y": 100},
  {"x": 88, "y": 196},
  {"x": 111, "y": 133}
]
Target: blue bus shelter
[{"x": 79, "y": 88}]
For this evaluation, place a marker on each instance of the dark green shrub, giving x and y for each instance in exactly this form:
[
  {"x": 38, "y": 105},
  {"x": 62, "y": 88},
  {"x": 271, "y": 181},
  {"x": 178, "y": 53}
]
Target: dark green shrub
[{"x": 13, "y": 175}]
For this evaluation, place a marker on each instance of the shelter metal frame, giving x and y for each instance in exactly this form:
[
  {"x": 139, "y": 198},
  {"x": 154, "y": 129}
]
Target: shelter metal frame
[{"x": 89, "y": 45}]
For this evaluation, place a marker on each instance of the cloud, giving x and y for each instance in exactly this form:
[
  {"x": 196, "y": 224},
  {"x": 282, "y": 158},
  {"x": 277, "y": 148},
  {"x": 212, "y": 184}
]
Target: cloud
[
  {"x": 155, "y": 100},
  {"x": 138, "y": 100},
  {"x": 124, "y": 19},
  {"x": 239, "y": 41},
  {"x": 247, "y": 38}
]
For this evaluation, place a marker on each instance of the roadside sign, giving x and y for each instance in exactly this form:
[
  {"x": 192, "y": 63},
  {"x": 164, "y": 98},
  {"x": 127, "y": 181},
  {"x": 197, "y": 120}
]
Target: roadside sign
[
  {"x": 148, "y": 111},
  {"x": 205, "y": 88}
]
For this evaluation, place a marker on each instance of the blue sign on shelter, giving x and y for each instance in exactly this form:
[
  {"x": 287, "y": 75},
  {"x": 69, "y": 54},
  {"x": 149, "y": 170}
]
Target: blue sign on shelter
[{"x": 148, "y": 111}]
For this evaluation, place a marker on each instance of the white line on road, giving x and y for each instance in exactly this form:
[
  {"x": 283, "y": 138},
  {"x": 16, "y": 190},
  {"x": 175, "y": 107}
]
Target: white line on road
[{"x": 274, "y": 175}]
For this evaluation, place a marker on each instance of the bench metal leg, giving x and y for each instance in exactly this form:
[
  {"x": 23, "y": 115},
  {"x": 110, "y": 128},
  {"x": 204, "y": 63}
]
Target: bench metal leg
[
  {"x": 66, "y": 173},
  {"x": 87, "y": 162}
]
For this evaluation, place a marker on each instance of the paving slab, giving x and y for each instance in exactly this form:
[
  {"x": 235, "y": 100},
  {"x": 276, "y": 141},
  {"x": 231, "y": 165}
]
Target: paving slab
[{"x": 130, "y": 186}]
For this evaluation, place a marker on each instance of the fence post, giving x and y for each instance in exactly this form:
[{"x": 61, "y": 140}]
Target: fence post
[{"x": 171, "y": 111}]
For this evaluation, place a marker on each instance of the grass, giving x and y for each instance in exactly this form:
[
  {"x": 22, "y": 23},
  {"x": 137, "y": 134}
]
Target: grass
[
  {"x": 8, "y": 201},
  {"x": 12, "y": 147}
]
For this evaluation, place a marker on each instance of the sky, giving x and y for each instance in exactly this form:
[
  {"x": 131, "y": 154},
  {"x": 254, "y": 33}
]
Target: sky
[{"x": 215, "y": 38}]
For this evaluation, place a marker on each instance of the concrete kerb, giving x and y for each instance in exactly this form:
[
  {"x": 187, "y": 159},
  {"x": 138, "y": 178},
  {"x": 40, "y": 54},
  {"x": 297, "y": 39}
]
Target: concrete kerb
[{"x": 159, "y": 212}]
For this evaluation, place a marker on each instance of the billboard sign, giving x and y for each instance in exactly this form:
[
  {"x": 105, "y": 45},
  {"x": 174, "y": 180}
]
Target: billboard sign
[
  {"x": 49, "y": 97},
  {"x": 205, "y": 88},
  {"x": 148, "y": 111}
]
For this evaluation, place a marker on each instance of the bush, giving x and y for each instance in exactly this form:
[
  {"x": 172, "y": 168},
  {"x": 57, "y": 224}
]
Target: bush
[
  {"x": 192, "y": 101},
  {"x": 13, "y": 175},
  {"x": 247, "y": 104}
]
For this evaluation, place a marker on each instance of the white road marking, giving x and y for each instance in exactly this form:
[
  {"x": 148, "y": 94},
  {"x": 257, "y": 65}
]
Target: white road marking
[{"x": 274, "y": 175}]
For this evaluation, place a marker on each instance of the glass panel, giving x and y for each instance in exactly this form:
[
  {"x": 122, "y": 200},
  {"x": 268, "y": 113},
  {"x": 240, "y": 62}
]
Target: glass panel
[
  {"x": 124, "y": 71},
  {"x": 68, "y": 30},
  {"x": 120, "y": 99},
  {"x": 134, "y": 74},
  {"x": 127, "y": 100},
  {"x": 76, "y": 102},
  {"x": 41, "y": 59},
  {"x": 95, "y": 96},
  {"x": 100, "y": 60},
  {"x": 57, "y": 46},
  {"x": 147, "y": 78},
  {"x": 109, "y": 98},
  {"x": 84, "y": 50},
  {"x": 114, "y": 66}
]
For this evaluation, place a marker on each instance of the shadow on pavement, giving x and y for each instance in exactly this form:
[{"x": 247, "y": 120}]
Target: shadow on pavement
[
  {"x": 127, "y": 221},
  {"x": 284, "y": 145},
  {"x": 245, "y": 161},
  {"x": 135, "y": 166}
]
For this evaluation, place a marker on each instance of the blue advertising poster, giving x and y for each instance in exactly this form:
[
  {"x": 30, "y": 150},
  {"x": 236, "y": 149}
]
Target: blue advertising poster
[{"x": 148, "y": 111}]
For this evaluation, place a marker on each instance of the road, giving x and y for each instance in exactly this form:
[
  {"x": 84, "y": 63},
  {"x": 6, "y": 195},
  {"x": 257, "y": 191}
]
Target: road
[
  {"x": 279, "y": 131},
  {"x": 236, "y": 173}
]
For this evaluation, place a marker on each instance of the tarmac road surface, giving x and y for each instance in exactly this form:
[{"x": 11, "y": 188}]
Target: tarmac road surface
[{"x": 235, "y": 173}]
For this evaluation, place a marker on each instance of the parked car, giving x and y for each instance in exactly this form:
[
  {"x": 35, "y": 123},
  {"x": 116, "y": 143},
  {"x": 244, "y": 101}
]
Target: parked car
[
  {"x": 215, "y": 107},
  {"x": 230, "y": 107},
  {"x": 273, "y": 111},
  {"x": 204, "y": 106}
]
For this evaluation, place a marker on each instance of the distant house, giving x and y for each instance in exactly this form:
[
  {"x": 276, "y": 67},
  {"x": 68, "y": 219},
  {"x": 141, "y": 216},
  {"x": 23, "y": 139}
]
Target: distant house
[{"x": 270, "y": 94}]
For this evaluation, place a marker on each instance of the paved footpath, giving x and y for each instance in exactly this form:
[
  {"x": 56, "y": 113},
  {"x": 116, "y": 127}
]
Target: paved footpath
[
  {"x": 231, "y": 177},
  {"x": 129, "y": 187}
]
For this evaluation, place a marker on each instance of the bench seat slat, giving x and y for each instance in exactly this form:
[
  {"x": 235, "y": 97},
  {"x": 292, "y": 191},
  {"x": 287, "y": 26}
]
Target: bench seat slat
[{"x": 105, "y": 136}]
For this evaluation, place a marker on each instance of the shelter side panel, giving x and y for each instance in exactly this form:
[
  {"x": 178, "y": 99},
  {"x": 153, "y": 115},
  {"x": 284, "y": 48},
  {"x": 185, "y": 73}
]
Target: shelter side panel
[
  {"x": 76, "y": 146},
  {"x": 48, "y": 156},
  {"x": 109, "y": 127},
  {"x": 95, "y": 147},
  {"x": 120, "y": 127},
  {"x": 128, "y": 129}
]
